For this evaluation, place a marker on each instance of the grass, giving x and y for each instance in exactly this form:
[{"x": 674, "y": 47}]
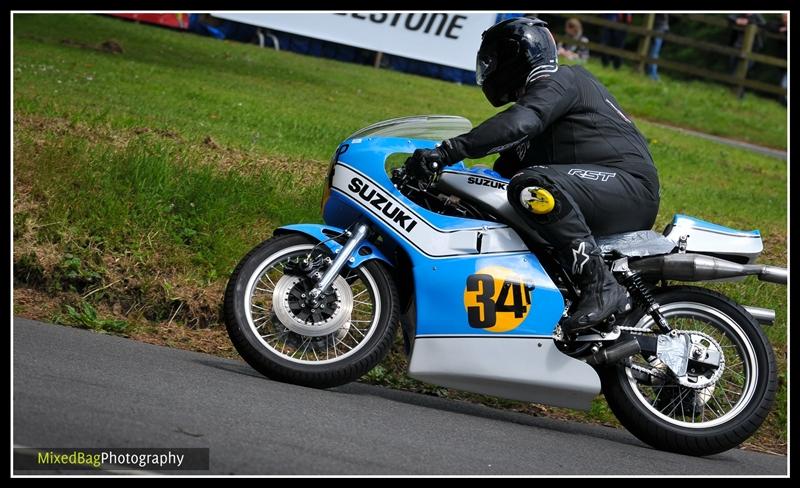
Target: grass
[
  {"x": 141, "y": 177},
  {"x": 282, "y": 103},
  {"x": 706, "y": 107}
]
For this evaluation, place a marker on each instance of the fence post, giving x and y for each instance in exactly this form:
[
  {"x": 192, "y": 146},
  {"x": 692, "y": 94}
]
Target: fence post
[
  {"x": 644, "y": 42},
  {"x": 747, "y": 47}
]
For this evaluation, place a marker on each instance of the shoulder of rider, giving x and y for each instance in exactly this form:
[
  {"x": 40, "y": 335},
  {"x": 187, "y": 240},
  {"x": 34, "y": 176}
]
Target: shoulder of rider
[
  {"x": 562, "y": 79},
  {"x": 545, "y": 98}
]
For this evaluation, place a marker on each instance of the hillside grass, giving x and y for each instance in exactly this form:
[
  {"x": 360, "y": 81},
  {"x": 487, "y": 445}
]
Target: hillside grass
[
  {"x": 141, "y": 177},
  {"x": 695, "y": 104}
]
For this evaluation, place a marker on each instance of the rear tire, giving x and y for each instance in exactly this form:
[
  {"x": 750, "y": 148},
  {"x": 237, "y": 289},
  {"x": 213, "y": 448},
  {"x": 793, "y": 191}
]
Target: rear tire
[
  {"x": 270, "y": 360},
  {"x": 628, "y": 401}
]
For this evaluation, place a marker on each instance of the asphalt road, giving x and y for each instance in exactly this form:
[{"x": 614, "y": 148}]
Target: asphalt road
[{"x": 75, "y": 388}]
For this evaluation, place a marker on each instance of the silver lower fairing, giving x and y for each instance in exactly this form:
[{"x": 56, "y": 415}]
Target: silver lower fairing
[{"x": 528, "y": 369}]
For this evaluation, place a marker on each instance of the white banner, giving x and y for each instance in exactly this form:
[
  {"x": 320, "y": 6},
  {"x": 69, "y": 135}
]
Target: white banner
[{"x": 447, "y": 38}]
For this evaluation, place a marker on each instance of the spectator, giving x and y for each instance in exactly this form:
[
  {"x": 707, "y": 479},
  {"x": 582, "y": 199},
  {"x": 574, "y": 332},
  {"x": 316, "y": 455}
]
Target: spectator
[
  {"x": 660, "y": 24},
  {"x": 614, "y": 37},
  {"x": 780, "y": 27},
  {"x": 737, "y": 37},
  {"x": 574, "y": 51}
]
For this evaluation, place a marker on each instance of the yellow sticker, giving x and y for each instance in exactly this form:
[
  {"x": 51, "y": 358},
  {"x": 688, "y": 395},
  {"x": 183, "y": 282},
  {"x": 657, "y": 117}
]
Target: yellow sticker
[{"x": 497, "y": 299}]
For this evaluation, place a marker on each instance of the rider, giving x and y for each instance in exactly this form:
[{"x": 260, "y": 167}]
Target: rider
[{"x": 578, "y": 165}]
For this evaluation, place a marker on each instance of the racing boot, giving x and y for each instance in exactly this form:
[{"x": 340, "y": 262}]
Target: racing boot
[{"x": 600, "y": 294}]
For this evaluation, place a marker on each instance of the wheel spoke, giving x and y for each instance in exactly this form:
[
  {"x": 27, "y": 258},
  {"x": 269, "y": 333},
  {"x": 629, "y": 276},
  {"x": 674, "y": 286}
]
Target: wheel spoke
[
  {"x": 683, "y": 413},
  {"x": 725, "y": 394},
  {"x": 671, "y": 401},
  {"x": 306, "y": 348},
  {"x": 660, "y": 390},
  {"x": 266, "y": 275},
  {"x": 327, "y": 356},
  {"x": 350, "y": 336},
  {"x": 272, "y": 335},
  {"x": 721, "y": 408},
  {"x": 291, "y": 342},
  {"x": 681, "y": 394},
  {"x": 732, "y": 384},
  {"x": 703, "y": 413}
]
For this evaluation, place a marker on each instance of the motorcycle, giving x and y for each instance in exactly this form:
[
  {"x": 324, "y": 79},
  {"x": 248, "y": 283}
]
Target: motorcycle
[{"x": 479, "y": 296}]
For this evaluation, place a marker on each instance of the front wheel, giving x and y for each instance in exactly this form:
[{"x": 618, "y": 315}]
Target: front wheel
[
  {"x": 336, "y": 342},
  {"x": 719, "y": 409}
]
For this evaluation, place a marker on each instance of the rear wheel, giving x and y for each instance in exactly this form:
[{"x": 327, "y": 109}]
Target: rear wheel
[
  {"x": 336, "y": 342},
  {"x": 715, "y": 408}
]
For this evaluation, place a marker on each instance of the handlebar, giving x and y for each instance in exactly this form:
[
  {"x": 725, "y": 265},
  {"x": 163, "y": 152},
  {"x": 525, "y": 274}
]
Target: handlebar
[{"x": 402, "y": 178}]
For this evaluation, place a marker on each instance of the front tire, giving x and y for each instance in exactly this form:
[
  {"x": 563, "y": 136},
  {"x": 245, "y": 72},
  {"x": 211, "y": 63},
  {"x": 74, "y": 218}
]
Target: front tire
[
  {"x": 321, "y": 351},
  {"x": 674, "y": 418}
]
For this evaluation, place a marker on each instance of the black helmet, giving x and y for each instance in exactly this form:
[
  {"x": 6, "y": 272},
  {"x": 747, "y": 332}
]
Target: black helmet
[{"x": 512, "y": 53}]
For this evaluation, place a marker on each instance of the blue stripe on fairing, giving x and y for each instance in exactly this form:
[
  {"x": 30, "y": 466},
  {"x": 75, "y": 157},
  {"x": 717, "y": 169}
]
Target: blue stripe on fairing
[{"x": 702, "y": 224}]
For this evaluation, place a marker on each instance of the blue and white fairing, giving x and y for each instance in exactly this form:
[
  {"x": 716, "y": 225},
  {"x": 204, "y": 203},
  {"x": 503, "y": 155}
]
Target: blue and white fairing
[
  {"x": 444, "y": 251},
  {"x": 485, "y": 307}
]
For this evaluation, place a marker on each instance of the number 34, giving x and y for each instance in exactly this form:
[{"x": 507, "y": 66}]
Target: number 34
[{"x": 484, "y": 285}]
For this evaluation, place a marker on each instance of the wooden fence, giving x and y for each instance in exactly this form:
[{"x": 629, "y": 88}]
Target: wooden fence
[{"x": 744, "y": 55}]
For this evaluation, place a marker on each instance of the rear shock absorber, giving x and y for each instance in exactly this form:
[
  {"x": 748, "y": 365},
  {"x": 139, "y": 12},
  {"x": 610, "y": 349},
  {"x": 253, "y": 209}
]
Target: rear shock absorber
[{"x": 638, "y": 288}]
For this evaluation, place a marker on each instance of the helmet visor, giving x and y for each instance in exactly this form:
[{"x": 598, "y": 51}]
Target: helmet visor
[{"x": 486, "y": 63}]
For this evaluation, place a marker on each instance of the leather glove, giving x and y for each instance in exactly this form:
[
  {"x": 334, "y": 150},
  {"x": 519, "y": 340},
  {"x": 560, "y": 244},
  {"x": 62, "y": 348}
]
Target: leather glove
[{"x": 425, "y": 163}]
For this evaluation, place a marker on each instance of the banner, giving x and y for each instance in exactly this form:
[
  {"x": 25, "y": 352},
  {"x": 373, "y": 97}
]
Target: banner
[
  {"x": 176, "y": 21},
  {"x": 446, "y": 38}
]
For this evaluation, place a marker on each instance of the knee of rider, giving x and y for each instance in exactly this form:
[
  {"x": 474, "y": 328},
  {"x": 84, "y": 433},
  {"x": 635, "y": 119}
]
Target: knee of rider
[
  {"x": 530, "y": 178},
  {"x": 550, "y": 209}
]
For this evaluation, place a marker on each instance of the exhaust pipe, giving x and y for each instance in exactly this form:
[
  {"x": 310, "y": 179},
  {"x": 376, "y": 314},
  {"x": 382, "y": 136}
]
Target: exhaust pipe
[
  {"x": 763, "y": 316},
  {"x": 616, "y": 352},
  {"x": 698, "y": 267}
]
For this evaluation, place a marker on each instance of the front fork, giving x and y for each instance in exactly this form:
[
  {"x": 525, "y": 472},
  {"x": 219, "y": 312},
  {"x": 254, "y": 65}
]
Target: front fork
[{"x": 345, "y": 253}]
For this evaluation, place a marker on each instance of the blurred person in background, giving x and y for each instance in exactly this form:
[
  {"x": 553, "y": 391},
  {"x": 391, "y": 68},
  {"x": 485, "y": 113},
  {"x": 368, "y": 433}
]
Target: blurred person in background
[
  {"x": 737, "y": 37},
  {"x": 780, "y": 27},
  {"x": 660, "y": 24},
  {"x": 614, "y": 38},
  {"x": 574, "y": 51}
]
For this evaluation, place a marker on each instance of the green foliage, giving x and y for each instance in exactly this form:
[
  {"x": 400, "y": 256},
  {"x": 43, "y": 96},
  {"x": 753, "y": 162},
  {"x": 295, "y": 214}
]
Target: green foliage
[
  {"x": 86, "y": 317},
  {"x": 73, "y": 274},
  {"x": 282, "y": 103},
  {"x": 722, "y": 36},
  {"x": 149, "y": 188},
  {"x": 28, "y": 270}
]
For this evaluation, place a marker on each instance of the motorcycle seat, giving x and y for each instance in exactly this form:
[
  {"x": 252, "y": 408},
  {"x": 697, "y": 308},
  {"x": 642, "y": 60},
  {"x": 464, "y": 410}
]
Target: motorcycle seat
[{"x": 635, "y": 244}]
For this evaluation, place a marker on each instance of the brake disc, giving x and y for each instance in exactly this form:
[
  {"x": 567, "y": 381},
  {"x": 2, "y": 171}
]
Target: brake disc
[{"x": 332, "y": 313}]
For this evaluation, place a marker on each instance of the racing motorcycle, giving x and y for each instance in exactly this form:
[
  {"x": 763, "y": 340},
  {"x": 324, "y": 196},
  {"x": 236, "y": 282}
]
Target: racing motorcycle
[{"x": 479, "y": 296}]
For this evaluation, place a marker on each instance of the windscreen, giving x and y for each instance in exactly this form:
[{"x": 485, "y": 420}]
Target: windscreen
[{"x": 429, "y": 127}]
